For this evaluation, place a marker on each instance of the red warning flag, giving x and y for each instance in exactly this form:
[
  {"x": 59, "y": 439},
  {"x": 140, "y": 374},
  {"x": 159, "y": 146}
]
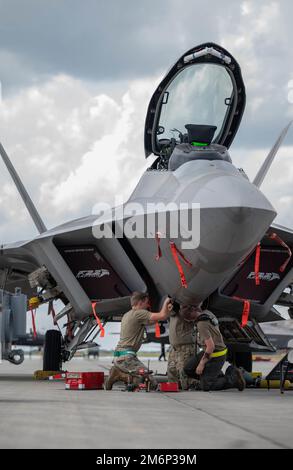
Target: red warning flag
[
  {"x": 175, "y": 252},
  {"x": 256, "y": 264},
  {"x": 274, "y": 236},
  {"x": 158, "y": 331},
  {"x": 102, "y": 330},
  {"x": 245, "y": 310}
]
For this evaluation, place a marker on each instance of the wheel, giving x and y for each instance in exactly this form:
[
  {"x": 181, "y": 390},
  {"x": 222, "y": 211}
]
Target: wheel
[
  {"x": 244, "y": 359},
  {"x": 16, "y": 356},
  {"x": 52, "y": 351}
]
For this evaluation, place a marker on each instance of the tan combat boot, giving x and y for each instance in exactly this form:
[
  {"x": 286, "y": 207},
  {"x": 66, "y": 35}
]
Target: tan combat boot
[{"x": 115, "y": 375}]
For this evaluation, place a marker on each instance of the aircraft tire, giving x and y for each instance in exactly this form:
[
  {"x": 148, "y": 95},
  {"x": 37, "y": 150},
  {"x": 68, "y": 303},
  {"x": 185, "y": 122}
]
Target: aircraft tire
[{"x": 52, "y": 351}]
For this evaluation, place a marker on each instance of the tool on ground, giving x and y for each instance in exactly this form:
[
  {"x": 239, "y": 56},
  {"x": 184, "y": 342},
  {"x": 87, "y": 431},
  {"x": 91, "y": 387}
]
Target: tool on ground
[
  {"x": 57, "y": 376},
  {"x": 144, "y": 383},
  {"x": 84, "y": 380},
  {"x": 168, "y": 387}
]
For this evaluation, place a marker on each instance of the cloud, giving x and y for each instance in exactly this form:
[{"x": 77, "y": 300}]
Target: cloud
[
  {"x": 75, "y": 144},
  {"x": 105, "y": 39},
  {"x": 259, "y": 42},
  {"x": 112, "y": 164},
  {"x": 105, "y": 43},
  {"x": 277, "y": 185},
  {"x": 71, "y": 147}
]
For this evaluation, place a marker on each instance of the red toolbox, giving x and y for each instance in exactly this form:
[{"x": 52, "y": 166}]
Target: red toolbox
[
  {"x": 168, "y": 387},
  {"x": 84, "y": 380}
]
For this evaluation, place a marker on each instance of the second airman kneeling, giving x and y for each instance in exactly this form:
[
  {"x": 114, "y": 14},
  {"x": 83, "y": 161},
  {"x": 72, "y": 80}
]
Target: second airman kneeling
[{"x": 182, "y": 348}]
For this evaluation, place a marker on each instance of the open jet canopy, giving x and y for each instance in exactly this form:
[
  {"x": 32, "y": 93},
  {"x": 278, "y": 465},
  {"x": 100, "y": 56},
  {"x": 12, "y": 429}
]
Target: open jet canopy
[{"x": 205, "y": 89}]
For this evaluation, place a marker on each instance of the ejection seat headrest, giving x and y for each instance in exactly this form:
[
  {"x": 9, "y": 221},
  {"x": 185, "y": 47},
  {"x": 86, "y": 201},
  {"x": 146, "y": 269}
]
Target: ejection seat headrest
[{"x": 200, "y": 133}]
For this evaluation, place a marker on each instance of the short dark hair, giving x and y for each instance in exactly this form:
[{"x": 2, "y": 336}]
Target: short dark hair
[{"x": 138, "y": 297}]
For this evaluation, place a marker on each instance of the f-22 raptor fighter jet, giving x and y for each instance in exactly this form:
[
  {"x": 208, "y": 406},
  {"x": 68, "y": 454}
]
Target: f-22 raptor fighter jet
[{"x": 238, "y": 264}]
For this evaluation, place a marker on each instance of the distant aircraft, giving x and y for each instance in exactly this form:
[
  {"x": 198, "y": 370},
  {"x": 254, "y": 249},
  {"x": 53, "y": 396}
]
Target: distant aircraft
[{"x": 240, "y": 266}]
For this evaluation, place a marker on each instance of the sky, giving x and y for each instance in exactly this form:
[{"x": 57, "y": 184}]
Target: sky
[{"x": 76, "y": 79}]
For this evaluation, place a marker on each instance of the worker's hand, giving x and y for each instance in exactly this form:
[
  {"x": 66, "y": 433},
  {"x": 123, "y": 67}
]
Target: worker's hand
[
  {"x": 200, "y": 368},
  {"x": 168, "y": 303}
]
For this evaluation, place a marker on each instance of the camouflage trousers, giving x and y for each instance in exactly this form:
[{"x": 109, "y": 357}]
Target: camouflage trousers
[
  {"x": 177, "y": 358},
  {"x": 131, "y": 365}
]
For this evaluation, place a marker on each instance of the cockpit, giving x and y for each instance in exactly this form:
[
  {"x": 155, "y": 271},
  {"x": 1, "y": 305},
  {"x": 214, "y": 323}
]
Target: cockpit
[
  {"x": 195, "y": 144},
  {"x": 196, "y": 110}
]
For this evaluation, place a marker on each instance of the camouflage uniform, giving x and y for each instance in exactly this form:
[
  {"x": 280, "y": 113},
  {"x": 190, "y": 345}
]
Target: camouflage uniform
[
  {"x": 177, "y": 358},
  {"x": 182, "y": 340},
  {"x": 129, "y": 364}
]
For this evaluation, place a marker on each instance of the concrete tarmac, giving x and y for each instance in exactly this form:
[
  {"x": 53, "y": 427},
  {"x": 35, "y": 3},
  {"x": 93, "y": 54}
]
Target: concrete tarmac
[{"x": 42, "y": 414}]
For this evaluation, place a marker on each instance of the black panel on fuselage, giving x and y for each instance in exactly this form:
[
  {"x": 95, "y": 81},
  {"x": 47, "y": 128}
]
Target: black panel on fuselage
[
  {"x": 243, "y": 284},
  {"x": 93, "y": 272}
]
